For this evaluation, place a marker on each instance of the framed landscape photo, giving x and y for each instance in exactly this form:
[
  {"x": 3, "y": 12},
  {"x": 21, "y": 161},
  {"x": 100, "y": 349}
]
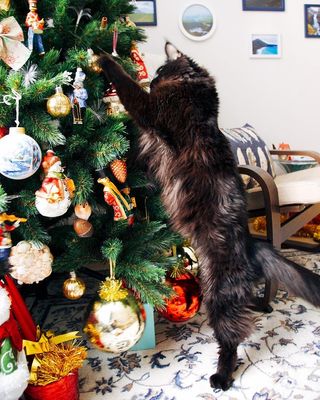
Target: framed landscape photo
[
  {"x": 312, "y": 20},
  {"x": 145, "y": 13},
  {"x": 263, "y": 5},
  {"x": 265, "y": 45},
  {"x": 197, "y": 21}
]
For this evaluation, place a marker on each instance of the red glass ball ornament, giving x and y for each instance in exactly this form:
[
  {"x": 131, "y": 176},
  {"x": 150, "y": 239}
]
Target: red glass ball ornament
[{"x": 186, "y": 303}]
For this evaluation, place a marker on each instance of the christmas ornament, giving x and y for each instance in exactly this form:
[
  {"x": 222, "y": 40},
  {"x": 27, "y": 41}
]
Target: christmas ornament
[
  {"x": 8, "y": 223},
  {"x": 74, "y": 287},
  {"x": 20, "y": 154},
  {"x": 104, "y": 23},
  {"x": 58, "y": 105},
  {"x": 119, "y": 170},
  {"x": 35, "y": 27},
  {"x": 3, "y": 131},
  {"x": 189, "y": 258},
  {"x": 81, "y": 12},
  {"x": 121, "y": 202},
  {"x": 78, "y": 97},
  {"x": 83, "y": 211},
  {"x": 83, "y": 228},
  {"x": 14, "y": 373},
  {"x": 117, "y": 320},
  {"x": 30, "y": 74},
  {"x": 93, "y": 62},
  {"x": 54, "y": 197},
  {"x": 142, "y": 73},
  {"x": 12, "y": 51},
  {"x": 186, "y": 303},
  {"x": 30, "y": 263},
  {"x": 5, "y": 5},
  {"x": 115, "y": 42},
  {"x": 111, "y": 98}
]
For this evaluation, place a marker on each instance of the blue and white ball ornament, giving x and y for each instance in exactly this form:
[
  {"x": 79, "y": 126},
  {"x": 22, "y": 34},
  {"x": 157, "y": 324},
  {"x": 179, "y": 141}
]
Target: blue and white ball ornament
[{"x": 20, "y": 154}]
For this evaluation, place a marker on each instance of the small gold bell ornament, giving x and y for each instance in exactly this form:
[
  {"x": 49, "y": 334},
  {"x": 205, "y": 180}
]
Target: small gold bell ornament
[
  {"x": 117, "y": 320},
  {"x": 74, "y": 287}
]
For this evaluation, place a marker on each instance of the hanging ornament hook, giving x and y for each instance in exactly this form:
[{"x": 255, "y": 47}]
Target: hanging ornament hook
[{"x": 7, "y": 99}]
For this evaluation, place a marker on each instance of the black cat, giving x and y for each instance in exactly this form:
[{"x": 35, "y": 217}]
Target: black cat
[{"x": 203, "y": 194}]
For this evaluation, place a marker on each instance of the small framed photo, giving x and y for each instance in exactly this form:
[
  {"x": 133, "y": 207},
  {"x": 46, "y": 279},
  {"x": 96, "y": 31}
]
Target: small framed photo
[
  {"x": 263, "y": 5},
  {"x": 145, "y": 13},
  {"x": 197, "y": 21},
  {"x": 312, "y": 20},
  {"x": 265, "y": 45}
]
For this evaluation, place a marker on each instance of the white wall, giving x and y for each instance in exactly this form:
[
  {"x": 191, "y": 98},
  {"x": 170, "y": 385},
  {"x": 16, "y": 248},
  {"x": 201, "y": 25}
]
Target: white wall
[{"x": 279, "y": 97}]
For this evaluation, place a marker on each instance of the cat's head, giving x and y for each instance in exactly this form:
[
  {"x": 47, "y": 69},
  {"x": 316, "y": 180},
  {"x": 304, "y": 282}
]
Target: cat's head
[{"x": 177, "y": 66}]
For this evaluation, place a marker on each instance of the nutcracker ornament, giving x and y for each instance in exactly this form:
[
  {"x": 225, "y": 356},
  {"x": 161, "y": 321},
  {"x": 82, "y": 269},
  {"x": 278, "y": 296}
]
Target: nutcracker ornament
[
  {"x": 78, "y": 97},
  {"x": 14, "y": 373},
  {"x": 54, "y": 197},
  {"x": 35, "y": 26},
  {"x": 8, "y": 223}
]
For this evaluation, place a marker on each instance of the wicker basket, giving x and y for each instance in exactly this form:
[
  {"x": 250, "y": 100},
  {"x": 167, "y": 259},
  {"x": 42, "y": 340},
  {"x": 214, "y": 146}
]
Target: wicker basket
[{"x": 64, "y": 389}]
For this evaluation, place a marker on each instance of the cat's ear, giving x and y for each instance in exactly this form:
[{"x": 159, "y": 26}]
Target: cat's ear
[{"x": 172, "y": 52}]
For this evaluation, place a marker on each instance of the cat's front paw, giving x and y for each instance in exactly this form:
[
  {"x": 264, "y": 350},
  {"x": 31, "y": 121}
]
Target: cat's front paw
[{"x": 218, "y": 381}]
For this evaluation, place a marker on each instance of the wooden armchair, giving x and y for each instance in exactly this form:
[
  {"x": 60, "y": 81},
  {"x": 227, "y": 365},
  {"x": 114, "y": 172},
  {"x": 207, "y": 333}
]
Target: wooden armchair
[{"x": 297, "y": 193}]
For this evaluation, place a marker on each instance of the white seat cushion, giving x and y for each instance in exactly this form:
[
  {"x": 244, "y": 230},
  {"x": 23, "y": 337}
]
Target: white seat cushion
[{"x": 300, "y": 187}]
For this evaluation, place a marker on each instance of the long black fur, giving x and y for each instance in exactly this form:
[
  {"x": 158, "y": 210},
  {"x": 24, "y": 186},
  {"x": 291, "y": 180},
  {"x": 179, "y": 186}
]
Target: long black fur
[{"x": 203, "y": 194}]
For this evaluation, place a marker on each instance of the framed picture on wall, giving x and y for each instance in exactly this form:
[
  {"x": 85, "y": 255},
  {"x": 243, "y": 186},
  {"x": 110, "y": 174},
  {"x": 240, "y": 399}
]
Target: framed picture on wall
[
  {"x": 263, "y": 5},
  {"x": 312, "y": 20},
  {"x": 265, "y": 45},
  {"x": 145, "y": 13},
  {"x": 197, "y": 21}
]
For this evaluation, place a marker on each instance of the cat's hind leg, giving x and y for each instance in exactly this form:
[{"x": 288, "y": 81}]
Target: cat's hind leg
[{"x": 232, "y": 323}]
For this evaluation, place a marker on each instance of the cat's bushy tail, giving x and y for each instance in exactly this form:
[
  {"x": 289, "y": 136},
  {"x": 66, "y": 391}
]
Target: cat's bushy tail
[{"x": 299, "y": 281}]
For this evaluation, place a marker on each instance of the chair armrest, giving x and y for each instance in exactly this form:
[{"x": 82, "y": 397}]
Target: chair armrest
[
  {"x": 266, "y": 182},
  {"x": 313, "y": 154}
]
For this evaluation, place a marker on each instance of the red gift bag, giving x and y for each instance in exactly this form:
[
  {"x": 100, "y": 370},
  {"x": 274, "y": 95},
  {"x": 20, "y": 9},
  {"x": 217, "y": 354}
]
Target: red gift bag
[{"x": 64, "y": 389}]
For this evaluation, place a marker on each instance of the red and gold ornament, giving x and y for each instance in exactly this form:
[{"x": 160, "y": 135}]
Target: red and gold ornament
[
  {"x": 120, "y": 200},
  {"x": 186, "y": 303}
]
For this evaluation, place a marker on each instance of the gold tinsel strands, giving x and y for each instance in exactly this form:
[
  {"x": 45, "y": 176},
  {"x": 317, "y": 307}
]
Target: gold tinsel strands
[
  {"x": 111, "y": 290},
  {"x": 61, "y": 360}
]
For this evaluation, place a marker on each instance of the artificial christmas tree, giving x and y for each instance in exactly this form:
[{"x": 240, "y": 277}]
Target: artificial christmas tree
[{"x": 74, "y": 34}]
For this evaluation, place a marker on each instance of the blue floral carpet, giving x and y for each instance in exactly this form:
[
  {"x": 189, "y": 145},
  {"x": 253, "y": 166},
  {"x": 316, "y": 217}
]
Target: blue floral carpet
[{"x": 281, "y": 360}]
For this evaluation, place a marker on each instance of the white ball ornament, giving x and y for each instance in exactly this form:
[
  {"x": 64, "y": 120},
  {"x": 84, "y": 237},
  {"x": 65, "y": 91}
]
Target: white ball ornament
[
  {"x": 20, "y": 154},
  {"x": 30, "y": 263}
]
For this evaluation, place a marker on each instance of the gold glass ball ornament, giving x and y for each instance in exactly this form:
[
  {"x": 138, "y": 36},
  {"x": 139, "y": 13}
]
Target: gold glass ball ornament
[
  {"x": 117, "y": 320},
  {"x": 74, "y": 287},
  {"x": 58, "y": 105}
]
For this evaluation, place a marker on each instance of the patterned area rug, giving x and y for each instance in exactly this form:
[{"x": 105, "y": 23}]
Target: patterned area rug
[{"x": 281, "y": 360}]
